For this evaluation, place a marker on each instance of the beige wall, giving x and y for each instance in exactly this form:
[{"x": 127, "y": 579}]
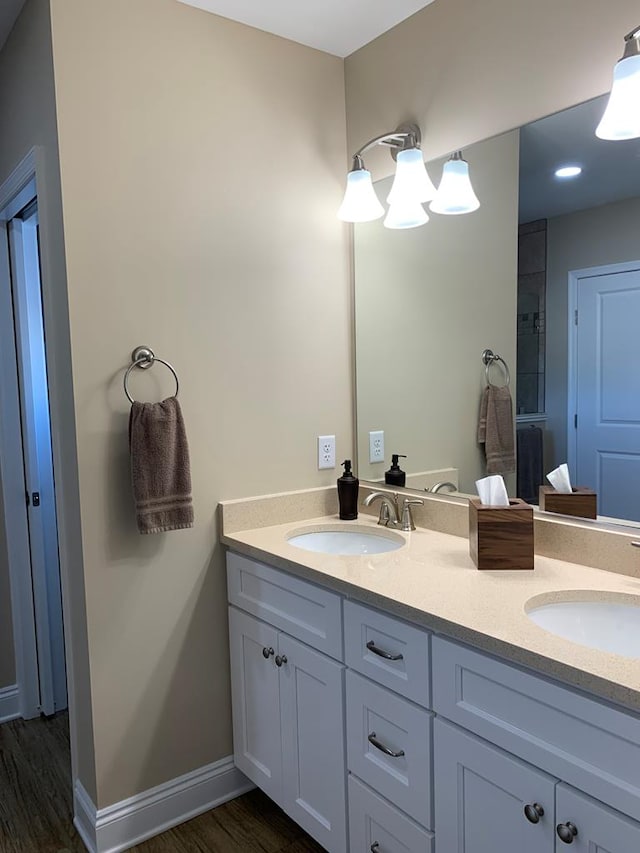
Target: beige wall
[
  {"x": 428, "y": 301},
  {"x": 601, "y": 235},
  {"x": 27, "y": 104},
  {"x": 7, "y": 658},
  {"x": 468, "y": 70},
  {"x": 202, "y": 164}
]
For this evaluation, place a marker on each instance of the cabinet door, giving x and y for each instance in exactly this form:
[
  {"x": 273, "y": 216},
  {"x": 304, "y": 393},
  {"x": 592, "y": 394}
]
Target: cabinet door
[
  {"x": 599, "y": 828},
  {"x": 313, "y": 750},
  {"x": 256, "y": 702},
  {"x": 480, "y": 796}
]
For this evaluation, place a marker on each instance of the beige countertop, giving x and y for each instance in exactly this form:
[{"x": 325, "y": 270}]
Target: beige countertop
[{"x": 432, "y": 581}]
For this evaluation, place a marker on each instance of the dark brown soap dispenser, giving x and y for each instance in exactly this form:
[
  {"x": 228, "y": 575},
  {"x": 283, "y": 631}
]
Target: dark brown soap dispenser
[
  {"x": 395, "y": 476},
  {"x": 348, "y": 486}
]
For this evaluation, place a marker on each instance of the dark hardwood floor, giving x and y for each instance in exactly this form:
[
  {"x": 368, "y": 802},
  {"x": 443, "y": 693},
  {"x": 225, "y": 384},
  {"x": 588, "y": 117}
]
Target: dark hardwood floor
[{"x": 36, "y": 805}]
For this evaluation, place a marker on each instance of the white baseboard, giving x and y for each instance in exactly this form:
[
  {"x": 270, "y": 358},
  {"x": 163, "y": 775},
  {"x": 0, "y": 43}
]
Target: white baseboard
[
  {"x": 124, "y": 824},
  {"x": 9, "y": 703}
]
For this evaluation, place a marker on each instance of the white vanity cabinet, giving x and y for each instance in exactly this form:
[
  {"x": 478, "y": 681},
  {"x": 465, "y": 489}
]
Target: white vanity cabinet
[
  {"x": 288, "y": 701},
  {"x": 436, "y": 747}
]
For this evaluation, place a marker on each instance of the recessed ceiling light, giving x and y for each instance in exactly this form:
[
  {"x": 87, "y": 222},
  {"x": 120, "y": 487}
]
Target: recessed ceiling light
[{"x": 568, "y": 172}]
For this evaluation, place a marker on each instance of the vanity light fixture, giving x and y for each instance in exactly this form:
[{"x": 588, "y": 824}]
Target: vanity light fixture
[
  {"x": 411, "y": 185},
  {"x": 621, "y": 119},
  {"x": 568, "y": 172},
  {"x": 455, "y": 194}
]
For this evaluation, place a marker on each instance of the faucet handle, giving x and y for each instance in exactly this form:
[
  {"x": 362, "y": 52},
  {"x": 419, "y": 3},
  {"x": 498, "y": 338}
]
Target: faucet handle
[
  {"x": 407, "y": 518},
  {"x": 385, "y": 516}
]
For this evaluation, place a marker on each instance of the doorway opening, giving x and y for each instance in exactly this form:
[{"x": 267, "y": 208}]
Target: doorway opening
[{"x": 26, "y": 469}]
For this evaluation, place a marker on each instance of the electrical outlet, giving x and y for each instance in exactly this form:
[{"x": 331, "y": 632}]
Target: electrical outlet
[
  {"x": 376, "y": 446},
  {"x": 326, "y": 451}
]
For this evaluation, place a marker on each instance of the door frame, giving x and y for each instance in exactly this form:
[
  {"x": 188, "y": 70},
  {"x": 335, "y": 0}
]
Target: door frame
[
  {"x": 15, "y": 192},
  {"x": 574, "y": 278}
]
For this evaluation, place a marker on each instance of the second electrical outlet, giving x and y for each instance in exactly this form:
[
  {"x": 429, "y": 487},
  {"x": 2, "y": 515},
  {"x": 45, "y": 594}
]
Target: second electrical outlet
[{"x": 326, "y": 451}]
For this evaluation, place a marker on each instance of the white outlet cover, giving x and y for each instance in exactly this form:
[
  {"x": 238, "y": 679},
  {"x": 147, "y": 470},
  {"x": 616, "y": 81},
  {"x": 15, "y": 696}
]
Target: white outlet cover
[
  {"x": 326, "y": 451},
  {"x": 376, "y": 446}
]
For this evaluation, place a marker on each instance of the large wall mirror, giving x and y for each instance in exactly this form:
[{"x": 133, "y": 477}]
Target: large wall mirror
[{"x": 546, "y": 274}]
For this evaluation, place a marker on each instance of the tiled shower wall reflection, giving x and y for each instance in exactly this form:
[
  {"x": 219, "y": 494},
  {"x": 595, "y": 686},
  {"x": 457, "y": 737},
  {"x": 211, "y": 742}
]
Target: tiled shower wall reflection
[{"x": 532, "y": 281}]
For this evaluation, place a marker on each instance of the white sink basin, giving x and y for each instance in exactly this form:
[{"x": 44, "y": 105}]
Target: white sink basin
[
  {"x": 611, "y": 626},
  {"x": 349, "y": 541}
]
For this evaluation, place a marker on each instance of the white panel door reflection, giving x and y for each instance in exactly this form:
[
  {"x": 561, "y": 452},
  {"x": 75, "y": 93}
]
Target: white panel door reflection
[{"x": 608, "y": 391}]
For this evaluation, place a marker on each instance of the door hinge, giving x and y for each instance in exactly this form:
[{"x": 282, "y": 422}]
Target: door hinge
[
  {"x": 575, "y": 421},
  {"x": 575, "y": 316}
]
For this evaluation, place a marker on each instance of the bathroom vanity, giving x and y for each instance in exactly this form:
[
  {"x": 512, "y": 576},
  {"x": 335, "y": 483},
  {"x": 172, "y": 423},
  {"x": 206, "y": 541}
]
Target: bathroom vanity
[{"x": 404, "y": 701}]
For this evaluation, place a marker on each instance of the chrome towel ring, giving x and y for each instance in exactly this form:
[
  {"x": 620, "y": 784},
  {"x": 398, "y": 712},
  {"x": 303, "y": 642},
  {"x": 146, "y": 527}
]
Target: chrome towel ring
[
  {"x": 144, "y": 357},
  {"x": 489, "y": 358}
]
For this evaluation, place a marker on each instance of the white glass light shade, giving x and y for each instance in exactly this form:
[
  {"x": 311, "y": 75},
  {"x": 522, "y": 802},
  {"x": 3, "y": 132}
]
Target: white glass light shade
[
  {"x": 408, "y": 214},
  {"x": 455, "y": 194},
  {"x": 411, "y": 181},
  {"x": 360, "y": 202},
  {"x": 621, "y": 119}
]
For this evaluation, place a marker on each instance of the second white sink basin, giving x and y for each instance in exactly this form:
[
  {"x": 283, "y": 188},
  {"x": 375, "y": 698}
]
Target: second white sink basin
[
  {"x": 348, "y": 541},
  {"x": 611, "y": 626}
]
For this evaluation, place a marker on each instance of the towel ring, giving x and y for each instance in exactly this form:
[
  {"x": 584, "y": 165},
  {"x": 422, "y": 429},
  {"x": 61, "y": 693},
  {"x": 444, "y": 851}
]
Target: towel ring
[
  {"x": 489, "y": 358},
  {"x": 144, "y": 357}
]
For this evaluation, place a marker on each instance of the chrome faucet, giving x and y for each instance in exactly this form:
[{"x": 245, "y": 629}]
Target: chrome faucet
[
  {"x": 436, "y": 488},
  {"x": 389, "y": 512}
]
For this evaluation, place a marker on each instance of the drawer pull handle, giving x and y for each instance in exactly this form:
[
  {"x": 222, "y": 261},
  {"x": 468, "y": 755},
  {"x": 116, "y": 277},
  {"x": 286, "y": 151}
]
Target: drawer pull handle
[
  {"x": 374, "y": 847},
  {"x": 267, "y": 652},
  {"x": 533, "y": 813},
  {"x": 566, "y": 832},
  {"x": 280, "y": 659},
  {"x": 381, "y": 653},
  {"x": 375, "y": 742}
]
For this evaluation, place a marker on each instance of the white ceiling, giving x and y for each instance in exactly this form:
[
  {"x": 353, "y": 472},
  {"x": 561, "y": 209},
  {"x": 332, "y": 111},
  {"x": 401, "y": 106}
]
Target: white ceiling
[
  {"x": 9, "y": 11},
  {"x": 335, "y": 26}
]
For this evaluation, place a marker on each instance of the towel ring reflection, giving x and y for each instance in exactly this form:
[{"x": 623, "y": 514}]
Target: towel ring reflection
[
  {"x": 489, "y": 358},
  {"x": 144, "y": 357}
]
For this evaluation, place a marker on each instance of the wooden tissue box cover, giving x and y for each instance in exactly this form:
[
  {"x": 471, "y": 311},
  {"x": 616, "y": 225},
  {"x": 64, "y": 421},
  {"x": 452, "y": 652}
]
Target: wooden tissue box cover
[
  {"x": 501, "y": 537},
  {"x": 582, "y": 502}
]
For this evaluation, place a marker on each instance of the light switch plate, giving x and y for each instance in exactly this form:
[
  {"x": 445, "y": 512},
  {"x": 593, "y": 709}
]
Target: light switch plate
[{"x": 326, "y": 451}]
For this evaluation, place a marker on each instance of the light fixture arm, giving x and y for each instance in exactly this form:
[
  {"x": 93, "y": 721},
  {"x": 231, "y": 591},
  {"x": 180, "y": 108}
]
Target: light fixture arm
[
  {"x": 632, "y": 43},
  {"x": 406, "y": 136}
]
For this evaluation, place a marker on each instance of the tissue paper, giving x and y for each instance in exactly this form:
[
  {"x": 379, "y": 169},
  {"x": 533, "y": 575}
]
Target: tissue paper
[
  {"x": 492, "y": 491},
  {"x": 560, "y": 480}
]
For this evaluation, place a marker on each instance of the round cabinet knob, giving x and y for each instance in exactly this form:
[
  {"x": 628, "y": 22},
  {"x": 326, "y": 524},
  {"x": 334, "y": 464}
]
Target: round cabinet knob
[
  {"x": 375, "y": 846},
  {"x": 267, "y": 652},
  {"x": 280, "y": 659},
  {"x": 534, "y": 812},
  {"x": 566, "y": 832}
]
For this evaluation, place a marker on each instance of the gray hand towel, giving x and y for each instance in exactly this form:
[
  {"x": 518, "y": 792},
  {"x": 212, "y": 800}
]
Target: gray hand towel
[
  {"x": 160, "y": 470},
  {"x": 495, "y": 430}
]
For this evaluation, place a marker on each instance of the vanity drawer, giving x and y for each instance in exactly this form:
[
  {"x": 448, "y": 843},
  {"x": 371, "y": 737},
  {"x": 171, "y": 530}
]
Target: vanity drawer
[
  {"x": 302, "y": 609},
  {"x": 375, "y": 715},
  {"x": 583, "y": 741},
  {"x": 389, "y": 651},
  {"x": 373, "y": 820}
]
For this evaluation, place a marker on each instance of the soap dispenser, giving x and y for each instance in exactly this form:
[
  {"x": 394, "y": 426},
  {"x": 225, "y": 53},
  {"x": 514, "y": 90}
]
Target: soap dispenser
[
  {"x": 395, "y": 476},
  {"x": 348, "y": 486}
]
